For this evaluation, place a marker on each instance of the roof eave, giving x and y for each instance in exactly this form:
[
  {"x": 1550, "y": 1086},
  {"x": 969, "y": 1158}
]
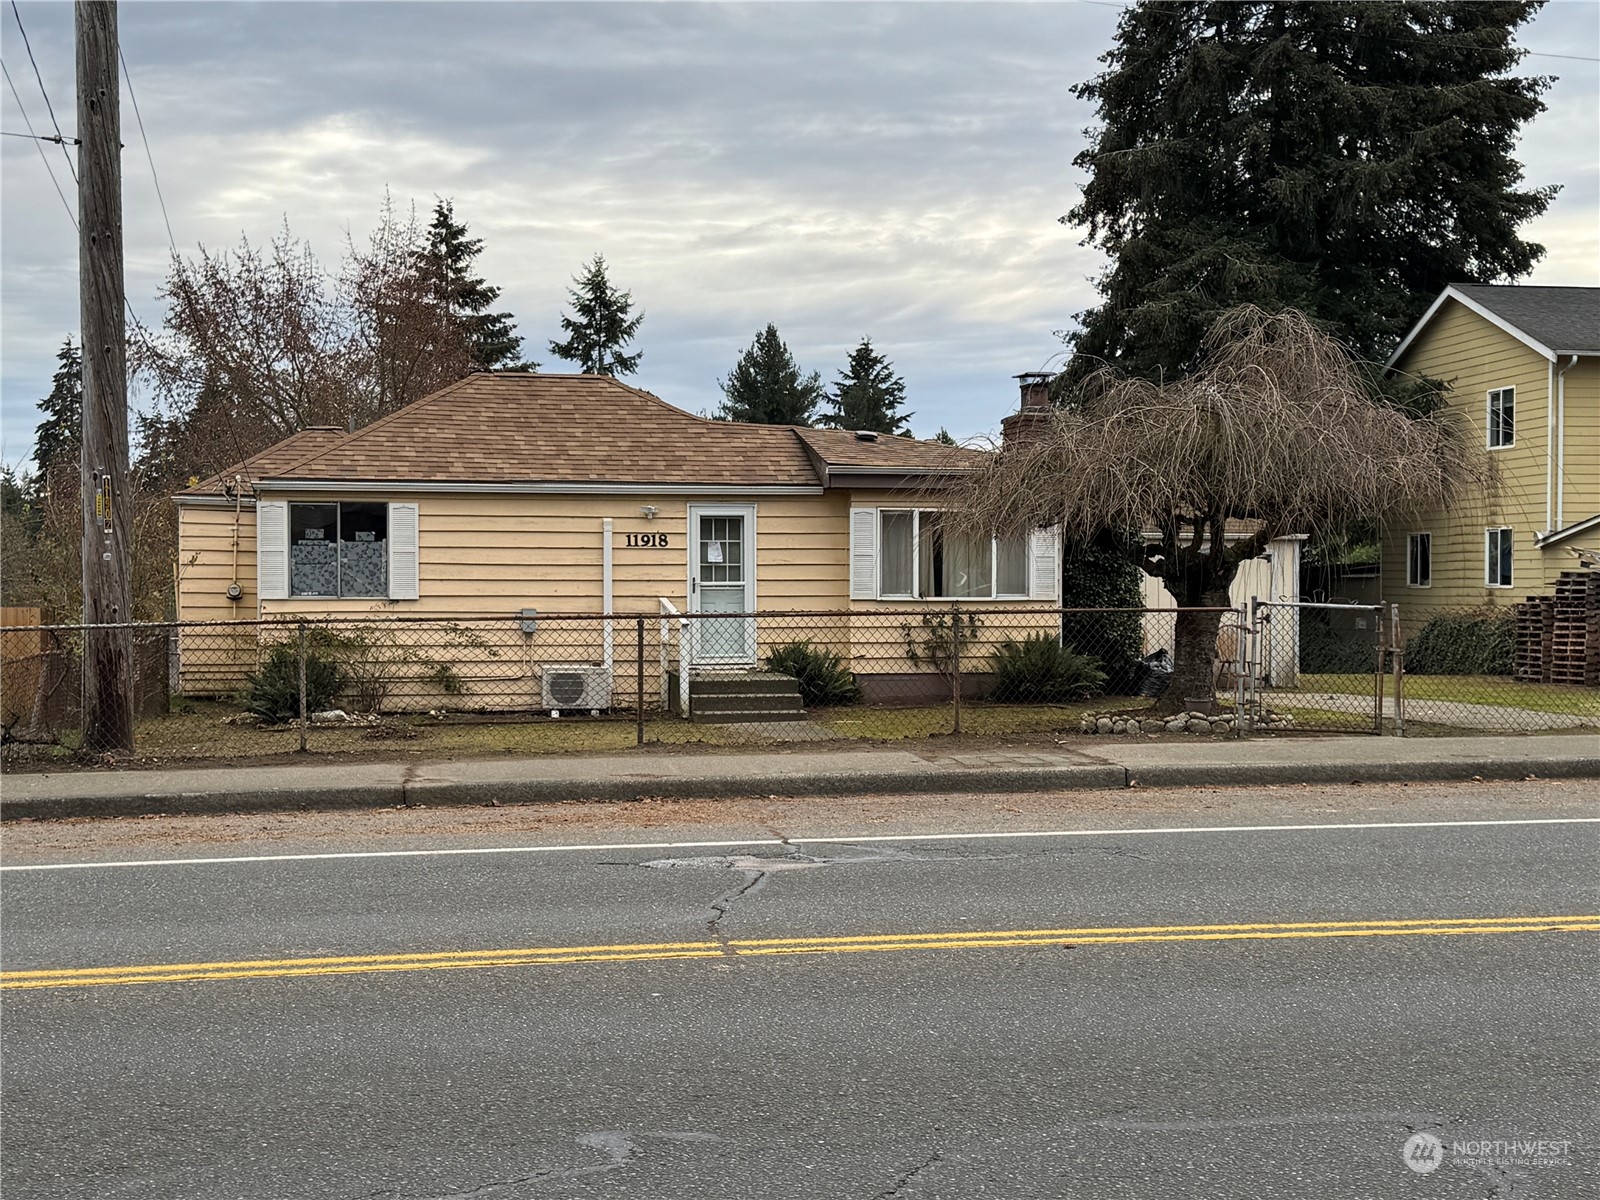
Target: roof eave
[
  {"x": 1466, "y": 301},
  {"x": 1556, "y": 536}
]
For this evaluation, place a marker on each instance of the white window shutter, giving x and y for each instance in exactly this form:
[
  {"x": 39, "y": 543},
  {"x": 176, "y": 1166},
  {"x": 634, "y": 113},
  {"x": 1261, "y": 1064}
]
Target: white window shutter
[
  {"x": 272, "y": 550},
  {"x": 404, "y": 582},
  {"x": 1044, "y": 564},
  {"x": 863, "y": 554}
]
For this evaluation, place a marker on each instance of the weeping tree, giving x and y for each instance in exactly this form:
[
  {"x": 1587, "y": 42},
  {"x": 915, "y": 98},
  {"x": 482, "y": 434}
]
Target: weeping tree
[{"x": 1278, "y": 427}]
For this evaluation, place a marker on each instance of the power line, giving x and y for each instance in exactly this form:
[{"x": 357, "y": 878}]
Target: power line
[
  {"x": 39, "y": 137},
  {"x": 71, "y": 167},
  {"x": 150, "y": 158},
  {"x": 44, "y": 158}
]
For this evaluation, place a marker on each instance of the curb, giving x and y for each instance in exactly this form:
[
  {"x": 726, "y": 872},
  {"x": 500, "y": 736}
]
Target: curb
[
  {"x": 447, "y": 793},
  {"x": 1452, "y": 771}
]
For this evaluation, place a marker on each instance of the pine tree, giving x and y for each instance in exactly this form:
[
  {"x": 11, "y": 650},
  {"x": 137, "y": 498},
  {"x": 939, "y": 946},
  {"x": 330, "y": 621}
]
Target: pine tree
[
  {"x": 61, "y": 432},
  {"x": 600, "y": 327},
  {"x": 449, "y": 258},
  {"x": 766, "y": 386},
  {"x": 867, "y": 395},
  {"x": 943, "y": 437},
  {"x": 1346, "y": 159}
]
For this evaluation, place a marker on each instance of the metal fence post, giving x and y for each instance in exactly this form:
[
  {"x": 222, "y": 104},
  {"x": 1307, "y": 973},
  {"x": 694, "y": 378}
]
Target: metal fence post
[
  {"x": 301, "y": 632},
  {"x": 1377, "y": 678},
  {"x": 1397, "y": 648},
  {"x": 639, "y": 680},
  {"x": 955, "y": 664},
  {"x": 1241, "y": 711}
]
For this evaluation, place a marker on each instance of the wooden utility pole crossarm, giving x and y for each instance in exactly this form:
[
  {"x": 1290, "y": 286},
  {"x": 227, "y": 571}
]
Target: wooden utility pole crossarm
[{"x": 107, "y": 586}]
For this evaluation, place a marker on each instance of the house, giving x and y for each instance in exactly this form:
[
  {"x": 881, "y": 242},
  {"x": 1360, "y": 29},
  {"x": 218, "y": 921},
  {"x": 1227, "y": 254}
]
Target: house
[
  {"x": 1523, "y": 366},
  {"x": 513, "y": 499}
]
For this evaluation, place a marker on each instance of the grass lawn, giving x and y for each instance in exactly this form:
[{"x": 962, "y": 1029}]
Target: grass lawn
[
  {"x": 201, "y": 731},
  {"x": 1471, "y": 689},
  {"x": 886, "y": 723}
]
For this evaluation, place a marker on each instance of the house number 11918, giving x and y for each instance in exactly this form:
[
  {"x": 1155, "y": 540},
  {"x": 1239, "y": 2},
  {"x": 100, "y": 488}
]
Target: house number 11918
[{"x": 658, "y": 540}]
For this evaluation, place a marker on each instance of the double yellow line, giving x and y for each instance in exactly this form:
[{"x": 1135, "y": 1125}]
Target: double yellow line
[{"x": 284, "y": 968}]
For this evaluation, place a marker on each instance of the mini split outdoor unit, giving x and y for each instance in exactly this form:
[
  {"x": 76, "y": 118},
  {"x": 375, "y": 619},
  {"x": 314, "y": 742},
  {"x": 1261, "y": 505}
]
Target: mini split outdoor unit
[{"x": 575, "y": 686}]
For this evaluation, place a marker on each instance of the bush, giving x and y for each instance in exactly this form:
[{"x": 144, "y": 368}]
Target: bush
[
  {"x": 1100, "y": 573},
  {"x": 1039, "y": 670},
  {"x": 823, "y": 679},
  {"x": 273, "y": 693},
  {"x": 1332, "y": 644},
  {"x": 1477, "y": 643}
]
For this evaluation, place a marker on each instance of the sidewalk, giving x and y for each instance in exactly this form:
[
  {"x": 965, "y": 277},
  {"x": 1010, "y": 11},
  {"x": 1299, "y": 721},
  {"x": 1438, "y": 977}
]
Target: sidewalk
[{"x": 812, "y": 771}]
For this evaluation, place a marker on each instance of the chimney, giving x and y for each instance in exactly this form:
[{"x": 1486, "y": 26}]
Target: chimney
[{"x": 1035, "y": 408}]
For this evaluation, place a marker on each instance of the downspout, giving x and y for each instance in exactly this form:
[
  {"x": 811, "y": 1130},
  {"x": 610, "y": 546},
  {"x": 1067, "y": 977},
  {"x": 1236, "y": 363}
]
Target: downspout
[
  {"x": 234, "y": 590},
  {"x": 1561, "y": 454},
  {"x": 605, "y": 592},
  {"x": 1550, "y": 446}
]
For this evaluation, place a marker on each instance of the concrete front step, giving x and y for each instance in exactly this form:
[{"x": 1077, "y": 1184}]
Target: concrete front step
[
  {"x": 743, "y": 683},
  {"x": 735, "y": 696}
]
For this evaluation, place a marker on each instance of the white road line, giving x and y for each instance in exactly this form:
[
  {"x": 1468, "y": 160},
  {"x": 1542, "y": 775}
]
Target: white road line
[{"x": 798, "y": 841}]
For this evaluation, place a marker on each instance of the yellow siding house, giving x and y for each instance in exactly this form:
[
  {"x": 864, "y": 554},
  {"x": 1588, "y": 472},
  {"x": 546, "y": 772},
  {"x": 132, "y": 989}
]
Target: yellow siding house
[
  {"x": 1523, "y": 366},
  {"x": 577, "y": 494}
]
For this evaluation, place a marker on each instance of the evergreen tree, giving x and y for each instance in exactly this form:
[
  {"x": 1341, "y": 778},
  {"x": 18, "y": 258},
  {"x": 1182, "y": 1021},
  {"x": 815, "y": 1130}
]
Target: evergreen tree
[
  {"x": 1347, "y": 159},
  {"x": 943, "y": 437},
  {"x": 600, "y": 326},
  {"x": 449, "y": 258},
  {"x": 766, "y": 387},
  {"x": 867, "y": 395},
  {"x": 61, "y": 432}
]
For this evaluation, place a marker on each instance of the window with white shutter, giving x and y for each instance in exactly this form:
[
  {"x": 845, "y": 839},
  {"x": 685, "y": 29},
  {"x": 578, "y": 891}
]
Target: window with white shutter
[
  {"x": 1044, "y": 581},
  {"x": 909, "y": 554},
  {"x": 404, "y": 573},
  {"x": 272, "y": 550},
  {"x": 863, "y": 554}
]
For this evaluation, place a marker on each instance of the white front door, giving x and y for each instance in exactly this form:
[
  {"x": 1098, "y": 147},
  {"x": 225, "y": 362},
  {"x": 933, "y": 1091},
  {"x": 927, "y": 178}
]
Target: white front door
[{"x": 722, "y": 579}]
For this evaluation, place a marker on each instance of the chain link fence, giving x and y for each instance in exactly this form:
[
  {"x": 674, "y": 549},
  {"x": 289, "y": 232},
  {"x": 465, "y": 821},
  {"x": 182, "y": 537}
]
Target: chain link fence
[{"x": 548, "y": 683}]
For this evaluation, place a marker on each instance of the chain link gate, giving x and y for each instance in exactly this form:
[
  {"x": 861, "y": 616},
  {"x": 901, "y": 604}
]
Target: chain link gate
[{"x": 1317, "y": 667}]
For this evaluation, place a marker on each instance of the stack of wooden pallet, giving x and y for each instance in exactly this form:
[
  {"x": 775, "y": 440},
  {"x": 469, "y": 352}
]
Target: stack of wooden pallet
[
  {"x": 1575, "y": 638},
  {"x": 1535, "y": 640}
]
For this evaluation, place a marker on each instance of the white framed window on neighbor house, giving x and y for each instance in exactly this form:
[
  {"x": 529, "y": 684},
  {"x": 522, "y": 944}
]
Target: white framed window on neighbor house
[
  {"x": 1497, "y": 557},
  {"x": 1502, "y": 418},
  {"x": 913, "y": 554},
  {"x": 344, "y": 549},
  {"x": 1419, "y": 560}
]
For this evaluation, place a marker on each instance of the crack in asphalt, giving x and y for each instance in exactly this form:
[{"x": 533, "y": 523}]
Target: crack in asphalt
[
  {"x": 895, "y": 1188},
  {"x": 725, "y": 902}
]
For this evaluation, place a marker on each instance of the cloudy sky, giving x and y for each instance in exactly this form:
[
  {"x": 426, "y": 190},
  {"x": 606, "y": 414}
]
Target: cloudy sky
[{"x": 843, "y": 170}]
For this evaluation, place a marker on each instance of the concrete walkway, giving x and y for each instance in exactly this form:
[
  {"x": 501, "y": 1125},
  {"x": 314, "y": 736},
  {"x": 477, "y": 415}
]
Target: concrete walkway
[{"x": 807, "y": 771}]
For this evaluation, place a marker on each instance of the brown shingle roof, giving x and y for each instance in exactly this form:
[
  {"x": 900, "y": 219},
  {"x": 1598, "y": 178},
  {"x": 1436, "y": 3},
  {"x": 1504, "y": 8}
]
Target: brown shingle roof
[
  {"x": 842, "y": 448},
  {"x": 530, "y": 428},
  {"x": 273, "y": 459}
]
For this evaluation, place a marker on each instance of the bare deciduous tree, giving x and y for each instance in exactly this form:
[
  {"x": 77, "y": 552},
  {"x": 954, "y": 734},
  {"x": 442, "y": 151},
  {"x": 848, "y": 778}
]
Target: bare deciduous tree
[
  {"x": 265, "y": 342},
  {"x": 1278, "y": 428}
]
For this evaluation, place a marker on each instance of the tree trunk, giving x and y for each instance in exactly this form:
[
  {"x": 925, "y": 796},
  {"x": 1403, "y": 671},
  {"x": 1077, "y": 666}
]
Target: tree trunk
[{"x": 1194, "y": 657}]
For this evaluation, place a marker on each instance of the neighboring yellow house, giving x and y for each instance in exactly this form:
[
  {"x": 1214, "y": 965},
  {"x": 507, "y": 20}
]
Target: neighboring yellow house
[
  {"x": 577, "y": 494},
  {"x": 1523, "y": 365}
]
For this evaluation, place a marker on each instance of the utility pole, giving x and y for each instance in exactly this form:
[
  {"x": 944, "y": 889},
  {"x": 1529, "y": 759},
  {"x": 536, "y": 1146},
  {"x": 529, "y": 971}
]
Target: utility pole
[{"x": 107, "y": 519}]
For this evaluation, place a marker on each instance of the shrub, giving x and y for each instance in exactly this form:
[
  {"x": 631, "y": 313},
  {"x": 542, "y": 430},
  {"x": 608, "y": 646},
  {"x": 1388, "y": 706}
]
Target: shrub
[
  {"x": 1039, "y": 670},
  {"x": 1100, "y": 574},
  {"x": 1332, "y": 644},
  {"x": 823, "y": 679},
  {"x": 273, "y": 693},
  {"x": 1475, "y": 643}
]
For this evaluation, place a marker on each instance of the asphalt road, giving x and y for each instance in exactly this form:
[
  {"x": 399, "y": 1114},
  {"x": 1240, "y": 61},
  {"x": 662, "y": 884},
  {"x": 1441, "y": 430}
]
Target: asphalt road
[{"x": 1148, "y": 1004}]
